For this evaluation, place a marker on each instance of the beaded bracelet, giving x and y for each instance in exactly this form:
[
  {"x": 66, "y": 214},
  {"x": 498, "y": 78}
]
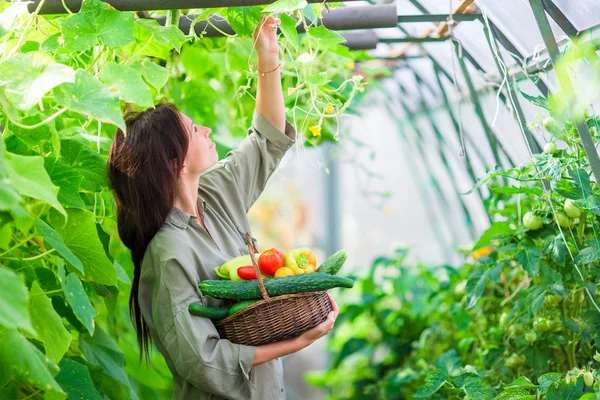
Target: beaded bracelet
[{"x": 262, "y": 73}]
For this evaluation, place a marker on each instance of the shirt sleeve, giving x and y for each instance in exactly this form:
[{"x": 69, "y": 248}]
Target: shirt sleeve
[
  {"x": 193, "y": 344},
  {"x": 257, "y": 156}
]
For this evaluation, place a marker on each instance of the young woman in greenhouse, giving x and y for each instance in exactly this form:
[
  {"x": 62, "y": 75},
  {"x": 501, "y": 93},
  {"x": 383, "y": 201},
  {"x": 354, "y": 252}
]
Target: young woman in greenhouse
[{"x": 182, "y": 212}]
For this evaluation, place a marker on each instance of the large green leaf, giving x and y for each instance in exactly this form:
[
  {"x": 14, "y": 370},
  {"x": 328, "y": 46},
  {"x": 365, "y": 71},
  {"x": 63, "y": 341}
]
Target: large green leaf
[
  {"x": 28, "y": 176},
  {"x": 13, "y": 301},
  {"x": 152, "y": 35},
  {"x": 153, "y": 73},
  {"x": 23, "y": 362},
  {"x": 48, "y": 324},
  {"x": 101, "y": 350},
  {"x": 476, "y": 389},
  {"x": 10, "y": 15},
  {"x": 539, "y": 101},
  {"x": 433, "y": 382},
  {"x": 97, "y": 24},
  {"x": 547, "y": 380},
  {"x": 288, "y": 28},
  {"x": 243, "y": 20},
  {"x": 87, "y": 162},
  {"x": 326, "y": 39},
  {"x": 475, "y": 286},
  {"x": 529, "y": 258},
  {"x": 54, "y": 239},
  {"x": 284, "y": 6},
  {"x": 25, "y": 78},
  {"x": 515, "y": 394},
  {"x": 497, "y": 228},
  {"x": 128, "y": 82},
  {"x": 90, "y": 97},
  {"x": 68, "y": 179},
  {"x": 587, "y": 255},
  {"x": 77, "y": 298},
  {"x": 74, "y": 378},
  {"x": 556, "y": 248},
  {"x": 566, "y": 391},
  {"x": 80, "y": 235}
]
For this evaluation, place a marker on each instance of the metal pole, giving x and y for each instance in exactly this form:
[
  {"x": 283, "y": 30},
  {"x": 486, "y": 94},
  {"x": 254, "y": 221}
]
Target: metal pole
[
  {"x": 361, "y": 40},
  {"x": 566, "y": 85},
  {"x": 56, "y": 6},
  {"x": 437, "y": 17},
  {"x": 343, "y": 18},
  {"x": 332, "y": 202}
]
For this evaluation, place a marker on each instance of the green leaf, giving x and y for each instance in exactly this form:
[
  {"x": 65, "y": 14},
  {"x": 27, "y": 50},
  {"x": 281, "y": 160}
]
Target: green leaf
[
  {"x": 97, "y": 23},
  {"x": 68, "y": 179},
  {"x": 556, "y": 248},
  {"x": 587, "y": 255},
  {"x": 288, "y": 28},
  {"x": 517, "y": 190},
  {"x": 90, "y": 97},
  {"x": 169, "y": 37},
  {"x": 521, "y": 383},
  {"x": 53, "y": 238},
  {"x": 539, "y": 101},
  {"x": 87, "y": 162},
  {"x": 81, "y": 237},
  {"x": 77, "y": 299},
  {"x": 243, "y": 20},
  {"x": 48, "y": 324},
  {"x": 326, "y": 39},
  {"x": 433, "y": 382},
  {"x": 10, "y": 15},
  {"x": 550, "y": 166},
  {"x": 529, "y": 258},
  {"x": 535, "y": 298},
  {"x": 475, "y": 389},
  {"x": 23, "y": 362},
  {"x": 128, "y": 82},
  {"x": 284, "y": 6},
  {"x": 13, "y": 301},
  {"x": 153, "y": 73},
  {"x": 28, "y": 176},
  {"x": 475, "y": 286},
  {"x": 566, "y": 391},
  {"x": 546, "y": 380},
  {"x": 497, "y": 228},
  {"x": 74, "y": 378},
  {"x": 449, "y": 362},
  {"x": 101, "y": 350},
  {"x": 515, "y": 394},
  {"x": 318, "y": 79},
  {"x": 9, "y": 198},
  {"x": 26, "y": 78}
]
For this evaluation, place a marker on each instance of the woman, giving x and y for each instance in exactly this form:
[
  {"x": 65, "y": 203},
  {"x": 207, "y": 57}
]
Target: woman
[{"x": 182, "y": 213}]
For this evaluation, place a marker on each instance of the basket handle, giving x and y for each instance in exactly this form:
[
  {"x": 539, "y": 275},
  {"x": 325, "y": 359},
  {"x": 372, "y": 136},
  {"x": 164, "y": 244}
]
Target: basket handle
[{"x": 252, "y": 250}]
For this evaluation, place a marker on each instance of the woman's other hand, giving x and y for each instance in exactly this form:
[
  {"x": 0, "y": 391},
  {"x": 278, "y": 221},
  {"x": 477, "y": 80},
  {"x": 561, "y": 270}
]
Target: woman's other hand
[
  {"x": 324, "y": 327},
  {"x": 265, "y": 37}
]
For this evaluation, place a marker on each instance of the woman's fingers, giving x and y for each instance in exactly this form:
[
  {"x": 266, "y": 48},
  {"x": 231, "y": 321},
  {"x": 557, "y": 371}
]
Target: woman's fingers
[{"x": 334, "y": 306}]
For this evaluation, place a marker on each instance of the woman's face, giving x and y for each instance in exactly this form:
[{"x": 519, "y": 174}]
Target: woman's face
[{"x": 202, "y": 152}]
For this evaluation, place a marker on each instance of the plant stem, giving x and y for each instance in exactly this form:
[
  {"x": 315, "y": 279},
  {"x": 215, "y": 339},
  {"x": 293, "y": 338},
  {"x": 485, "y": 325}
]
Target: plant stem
[{"x": 29, "y": 258}]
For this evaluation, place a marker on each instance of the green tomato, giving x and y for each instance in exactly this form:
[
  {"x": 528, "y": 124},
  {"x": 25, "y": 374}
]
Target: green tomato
[
  {"x": 542, "y": 325},
  {"x": 588, "y": 378},
  {"x": 532, "y": 221},
  {"x": 515, "y": 361},
  {"x": 530, "y": 337},
  {"x": 549, "y": 123},
  {"x": 503, "y": 318},
  {"x": 563, "y": 220},
  {"x": 571, "y": 209},
  {"x": 550, "y": 148}
]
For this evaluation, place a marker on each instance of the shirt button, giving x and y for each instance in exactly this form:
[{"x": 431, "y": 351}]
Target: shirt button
[{"x": 281, "y": 389}]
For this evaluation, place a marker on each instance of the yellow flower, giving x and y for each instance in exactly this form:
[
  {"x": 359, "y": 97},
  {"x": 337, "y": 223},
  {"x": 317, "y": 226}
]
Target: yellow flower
[
  {"x": 388, "y": 210},
  {"x": 351, "y": 65},
  {"x": 330, "y": 109},
  {"x": 291, "y": 91},
  {"x": 315, "y": 130}
]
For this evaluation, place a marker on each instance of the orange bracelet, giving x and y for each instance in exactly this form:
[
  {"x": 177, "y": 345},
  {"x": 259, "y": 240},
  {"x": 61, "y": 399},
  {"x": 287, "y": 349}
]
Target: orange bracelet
[{"x": 262, "y": 73}]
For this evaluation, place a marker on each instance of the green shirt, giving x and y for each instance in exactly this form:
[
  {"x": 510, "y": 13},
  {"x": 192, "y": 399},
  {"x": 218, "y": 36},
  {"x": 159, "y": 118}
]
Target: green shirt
[{"x": 182, "y": 254}]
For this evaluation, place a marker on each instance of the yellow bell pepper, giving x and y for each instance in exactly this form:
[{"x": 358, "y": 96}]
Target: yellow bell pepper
[{"x": 301, "y": 261}]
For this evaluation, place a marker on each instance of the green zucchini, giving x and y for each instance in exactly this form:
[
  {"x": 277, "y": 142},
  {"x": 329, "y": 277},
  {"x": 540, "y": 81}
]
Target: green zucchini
[
  {"x": 201, "y": 310},
  {"x": 241, "y": 305},
  {"x": 248, "y": 290},
  {"x": 333, "y": 264}
]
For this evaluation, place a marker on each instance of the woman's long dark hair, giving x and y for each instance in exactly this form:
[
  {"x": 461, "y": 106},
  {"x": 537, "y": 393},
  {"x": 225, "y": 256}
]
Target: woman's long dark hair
[{"x": 143, "y": 169}]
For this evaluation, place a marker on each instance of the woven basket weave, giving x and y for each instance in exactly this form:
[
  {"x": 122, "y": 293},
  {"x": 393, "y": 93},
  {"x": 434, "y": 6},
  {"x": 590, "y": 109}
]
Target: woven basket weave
[{"x": 274, "y": 318}]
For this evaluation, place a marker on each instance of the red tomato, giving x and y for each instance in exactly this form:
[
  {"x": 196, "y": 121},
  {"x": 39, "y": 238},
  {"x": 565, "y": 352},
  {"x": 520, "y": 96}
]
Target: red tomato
[
  {"x": 246, "y": 272},
  {"x": 270, "y": 261}
]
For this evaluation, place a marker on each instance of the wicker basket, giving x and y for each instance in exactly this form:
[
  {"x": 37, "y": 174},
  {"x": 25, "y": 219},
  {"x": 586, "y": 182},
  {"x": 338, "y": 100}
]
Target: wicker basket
[{"x": 274, "y": 318}]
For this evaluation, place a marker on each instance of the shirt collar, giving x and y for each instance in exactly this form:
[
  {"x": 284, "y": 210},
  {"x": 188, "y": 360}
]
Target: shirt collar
[{"x": 180, "y": 218}]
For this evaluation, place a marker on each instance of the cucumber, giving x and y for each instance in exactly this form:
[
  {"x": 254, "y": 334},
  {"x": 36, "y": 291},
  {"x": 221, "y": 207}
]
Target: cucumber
[
  {"x": 201, "y": 310},
  {"x": 333, "y": 264},
  {"x": 241, "y": 305},
  {"x": 248, "y": 290}
]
